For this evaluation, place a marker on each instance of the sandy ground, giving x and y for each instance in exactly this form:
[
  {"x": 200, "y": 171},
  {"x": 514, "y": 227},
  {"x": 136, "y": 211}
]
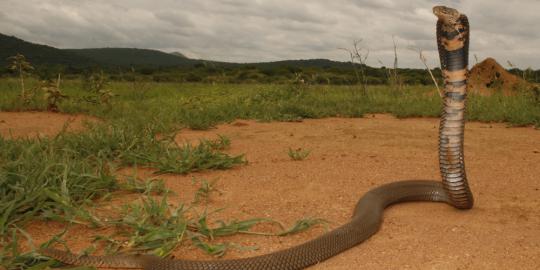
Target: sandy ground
[
  {"x": 38, "y": 124},
  {"x": 349, "y": 157}
]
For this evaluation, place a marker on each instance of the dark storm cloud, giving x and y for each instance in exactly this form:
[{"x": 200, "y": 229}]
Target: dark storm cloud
[{"x": 257, "y": 30}]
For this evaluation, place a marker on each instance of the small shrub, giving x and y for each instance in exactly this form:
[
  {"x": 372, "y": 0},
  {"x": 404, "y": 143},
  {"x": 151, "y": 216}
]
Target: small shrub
[
  {"x": 52, "y": 94},
  {"x": 22, "y": 67},
  {"x": 97, "y": 84},
  {"x": 298, "y": 154}
]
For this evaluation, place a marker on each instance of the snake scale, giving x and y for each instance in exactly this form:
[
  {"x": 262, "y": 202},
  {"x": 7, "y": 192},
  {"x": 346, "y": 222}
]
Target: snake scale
[{"x": 452, "y": 41}]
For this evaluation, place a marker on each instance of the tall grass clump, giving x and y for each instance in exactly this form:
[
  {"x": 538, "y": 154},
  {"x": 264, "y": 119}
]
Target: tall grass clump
[
  {"x": 518, "y": 110},
  {"x": 73, "y": 168}
]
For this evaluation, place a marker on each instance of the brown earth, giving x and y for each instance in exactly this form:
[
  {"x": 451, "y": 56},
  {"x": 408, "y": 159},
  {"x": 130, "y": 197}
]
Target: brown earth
[
  {"x": 489, "y": 76},
  {"x": 39, "y": 124},
  {"x": 351, "y": 156}
]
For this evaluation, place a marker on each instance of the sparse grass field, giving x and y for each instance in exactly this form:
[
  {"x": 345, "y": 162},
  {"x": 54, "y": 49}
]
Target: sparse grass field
[
  {"x": 200, "y": 106},
  {"x": 59, "y": 178}
]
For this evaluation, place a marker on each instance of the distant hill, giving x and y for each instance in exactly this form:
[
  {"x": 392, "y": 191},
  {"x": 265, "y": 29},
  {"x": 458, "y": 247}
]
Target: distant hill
[
  {"x": 39, "y": 54},
  {"x": 175, "y": 66},
  {"x": 126, "y": 57},
  {"x": 179, "y": 54}
]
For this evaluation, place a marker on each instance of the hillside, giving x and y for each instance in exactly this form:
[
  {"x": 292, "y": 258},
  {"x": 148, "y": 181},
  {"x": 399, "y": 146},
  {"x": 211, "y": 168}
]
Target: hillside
[
  {"x": 126, "y": 57},
  {"x": 39, "y": 54},
  {"x": 179, "y": 54},
  {"x": 160, "y": 66},
  {"x": 43, "y": 55}
]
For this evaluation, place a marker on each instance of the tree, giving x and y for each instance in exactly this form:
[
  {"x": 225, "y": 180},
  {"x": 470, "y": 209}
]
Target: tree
[{"x": 23, "y": 67}]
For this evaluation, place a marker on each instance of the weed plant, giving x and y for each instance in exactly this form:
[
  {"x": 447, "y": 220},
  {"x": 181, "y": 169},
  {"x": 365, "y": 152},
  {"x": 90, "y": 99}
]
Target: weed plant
[
  {"x": 298, "y": 154},
  {"x": 153, "y": 226}
]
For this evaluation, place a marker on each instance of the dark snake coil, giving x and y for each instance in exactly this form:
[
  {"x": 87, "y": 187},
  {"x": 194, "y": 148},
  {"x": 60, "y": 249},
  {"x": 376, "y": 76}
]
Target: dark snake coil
[{"x": 452, "y": 41}]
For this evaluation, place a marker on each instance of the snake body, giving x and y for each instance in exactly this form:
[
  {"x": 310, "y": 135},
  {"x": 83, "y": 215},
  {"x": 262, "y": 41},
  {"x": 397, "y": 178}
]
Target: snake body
[{"x": 452, "y": 40}]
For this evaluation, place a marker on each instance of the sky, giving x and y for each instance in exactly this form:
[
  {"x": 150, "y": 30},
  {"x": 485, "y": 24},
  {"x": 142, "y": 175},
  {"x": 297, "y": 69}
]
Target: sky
[{"x": 258, "y": 30}]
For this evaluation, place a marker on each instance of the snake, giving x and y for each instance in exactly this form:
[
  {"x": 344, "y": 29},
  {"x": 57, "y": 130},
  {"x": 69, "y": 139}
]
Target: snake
[{"x": 452, "y": 42}]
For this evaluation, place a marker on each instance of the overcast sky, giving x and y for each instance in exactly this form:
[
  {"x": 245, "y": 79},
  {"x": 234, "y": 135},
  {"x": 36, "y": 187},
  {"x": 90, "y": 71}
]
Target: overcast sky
[{"x": 257, "y": 30}]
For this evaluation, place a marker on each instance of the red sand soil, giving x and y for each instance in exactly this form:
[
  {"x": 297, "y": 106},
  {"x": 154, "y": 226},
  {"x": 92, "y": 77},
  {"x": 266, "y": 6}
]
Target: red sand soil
[
  {"x": 351, "y": 156},
  {"x": 38, "y": 124},
  {"x": 489, "y": 76}
]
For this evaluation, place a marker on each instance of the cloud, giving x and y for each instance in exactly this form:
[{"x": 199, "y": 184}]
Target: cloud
[{"x": 259, "y": 30}]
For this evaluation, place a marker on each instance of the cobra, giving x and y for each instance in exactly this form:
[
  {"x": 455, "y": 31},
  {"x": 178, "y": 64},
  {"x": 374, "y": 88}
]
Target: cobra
[{"x": 453, "y": 41}]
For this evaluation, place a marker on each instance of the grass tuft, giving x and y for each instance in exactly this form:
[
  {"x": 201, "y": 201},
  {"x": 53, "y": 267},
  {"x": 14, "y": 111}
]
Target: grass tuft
[
  {"x": 205, "y": 190},
  {"x": 298, "y": 154}
]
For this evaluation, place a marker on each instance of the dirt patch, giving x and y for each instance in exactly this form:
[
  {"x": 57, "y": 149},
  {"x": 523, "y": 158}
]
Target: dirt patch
[
  {"x": 39, "y": 124},
  {"x": 351, "y": 156},
  {"x": 489, "y": 76}
]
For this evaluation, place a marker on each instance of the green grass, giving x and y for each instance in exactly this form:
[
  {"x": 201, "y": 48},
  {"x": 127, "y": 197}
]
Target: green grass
[
  {"x": 153, "y": 226},
  {"x": 205, "y": 189},
  {"x": 202, "y": 106},
  {"x": 58, "y": 178},
  {"x": 61, "y": 178}
]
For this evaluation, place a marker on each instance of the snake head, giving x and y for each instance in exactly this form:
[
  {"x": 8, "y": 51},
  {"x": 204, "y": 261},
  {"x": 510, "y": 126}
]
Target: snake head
[{"x": 448, "y": 16}]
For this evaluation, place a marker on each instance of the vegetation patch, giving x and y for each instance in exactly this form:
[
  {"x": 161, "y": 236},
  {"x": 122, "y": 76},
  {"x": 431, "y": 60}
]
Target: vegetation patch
[
  {"x": 58, "y": 178},
  {"x": 298, "y": 154}
]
